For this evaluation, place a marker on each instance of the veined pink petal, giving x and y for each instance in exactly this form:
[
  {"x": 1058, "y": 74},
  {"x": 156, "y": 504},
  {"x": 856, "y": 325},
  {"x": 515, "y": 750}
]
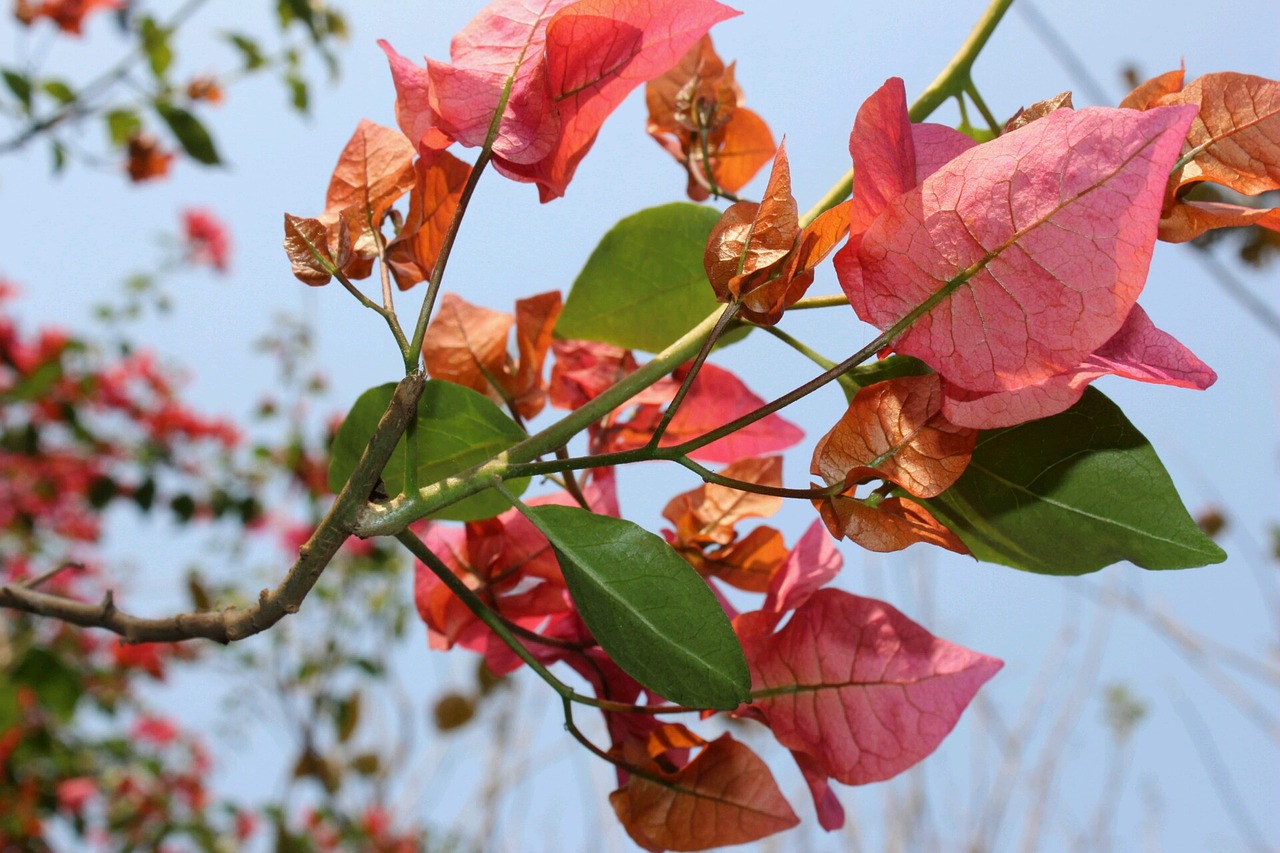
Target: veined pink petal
[
  {"x": 884, "y": 154},
  {"x": 937, "y": 145},
  {"x": 858, "y": 686},
  {"x": 413, "y": 101},
  {"x": 1138, "y": 351},
  {"x": 810, "y": 565},
  {"x": 597, "y": 52},
  {"x": 1049, "y": 229}
]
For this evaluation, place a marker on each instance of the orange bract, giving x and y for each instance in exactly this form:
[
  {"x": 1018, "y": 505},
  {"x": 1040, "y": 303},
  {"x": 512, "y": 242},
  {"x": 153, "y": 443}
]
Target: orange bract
[
  {"x": 893, "y": 431},
  {"x": 757, "y": 254},
  {"x": 467, "y": 345},
  {"x": 147, "y": 160},
  {"x": 699, "y": 97},
  {"x": 1233, "y": 142},
  {"x": 438, "y": 181},
  {"x": 706, "y": 517},
  {"x": 726, "y": 795}
]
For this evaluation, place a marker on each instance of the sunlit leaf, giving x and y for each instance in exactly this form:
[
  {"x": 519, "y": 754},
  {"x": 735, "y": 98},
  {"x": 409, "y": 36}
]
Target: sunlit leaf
[
  {"x": 725, "y": 795},
  {"x": 649, "y": 265},
  {"x": 456, "y": 428}
]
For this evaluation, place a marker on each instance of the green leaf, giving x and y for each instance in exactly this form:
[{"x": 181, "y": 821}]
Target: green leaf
[
  {"x": 299, "y": 94},
  {"x": 36, "y": 384},
  {"x": 57, "y": 686},
  {"x": 59, "y": 91},
  {"x": 1072, "y": 494},
  {"x": 648, "y": 608},
  {"x": 20, "y": 86},
  {"x": 190, "y": 133},
  {"x": 155, "y": 44},
  {"x": 456, "y": 428},
  {"x": 644, "y": 285},
  {"x": 250, "y": 53},
  {"x": 121, "y": 125}
]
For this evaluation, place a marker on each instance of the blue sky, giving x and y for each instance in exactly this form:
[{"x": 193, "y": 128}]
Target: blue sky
[{"x": 805, "y": 67}]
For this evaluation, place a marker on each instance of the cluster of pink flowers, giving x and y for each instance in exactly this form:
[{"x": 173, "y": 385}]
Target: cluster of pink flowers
[{"x": 206, "y": 239}]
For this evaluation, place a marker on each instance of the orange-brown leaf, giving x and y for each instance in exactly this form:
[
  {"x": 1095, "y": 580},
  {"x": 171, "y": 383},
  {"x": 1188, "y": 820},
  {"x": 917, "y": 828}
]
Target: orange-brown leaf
[
  {"x": 1039, "y": 109},
  {"x": 891, "y": 525},
  {"x": 1234, "y": 141},
  {"x": 700, "y": 75},
  {"x": 535, "y": 322},
  {"x": 751, "y": 237},
  {"x": 758, "y": 255},
  {"x": 726, "y": 795},
  {"x": 708, "y": 514},
  {"x": 146, "y": 159},
  {"x": 439, "y": 178},
  {"x": 1187, "y": 220},
  {"x": 894, "y": 430},
  {"x": 699, "y": 95},
  {"x": 467, "y": 344},
  {"x": 374, "y": 169},
  {"x": 1145, "y": 95},
  {"x": 1236, "y": 136},
  {"x": 748, "y": 563},
  {"x": 315, "y": 248}
]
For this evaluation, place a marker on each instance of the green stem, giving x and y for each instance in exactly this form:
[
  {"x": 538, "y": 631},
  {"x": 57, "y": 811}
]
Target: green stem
[
  {"x": 972, "y": 91},
  {"x": 810, "y": 302},
  {"x": 949, "y": 83},
  {"x": 389, "y": 316},
  {"x": 476, "y": 605},
  {"x": 952, "y": 79},
  {"x": 710, "y": 476},
  {"x": 814, "y": 356},
  {"x": 801, "y": 347},
  {"x": 473, "y": 179},
  {"x": 393, "y": 323}
]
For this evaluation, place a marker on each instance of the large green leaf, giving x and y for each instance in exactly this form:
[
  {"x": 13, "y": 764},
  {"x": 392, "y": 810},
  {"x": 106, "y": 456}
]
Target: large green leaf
[
  {"x": 456, "y": 428},
  {"x": 1071, "y": 494},
  {"x": 649, "y": 610},
  {"x": 644, "y": 285}
]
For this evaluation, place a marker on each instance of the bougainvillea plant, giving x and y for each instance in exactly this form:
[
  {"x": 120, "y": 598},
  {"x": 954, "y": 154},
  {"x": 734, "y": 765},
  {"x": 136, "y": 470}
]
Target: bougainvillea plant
[{"x": 997, "y": 274}]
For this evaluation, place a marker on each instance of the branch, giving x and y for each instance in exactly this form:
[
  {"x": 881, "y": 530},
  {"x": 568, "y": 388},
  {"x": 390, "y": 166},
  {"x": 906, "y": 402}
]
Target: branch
[{"x": 231, "y": 623}]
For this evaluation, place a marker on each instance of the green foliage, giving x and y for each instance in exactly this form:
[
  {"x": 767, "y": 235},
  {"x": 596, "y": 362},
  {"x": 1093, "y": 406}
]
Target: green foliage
[
  {"x": 1072, "y": 494},
  {"x": 190, "y": 133},
  {"x": 456, "y": 428},
  {"x": 20, "y": 86},
  {"x": 648, "y": 266},
  {"x": 647, "y": 608},
  {"x": 156, "y": 46}
]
